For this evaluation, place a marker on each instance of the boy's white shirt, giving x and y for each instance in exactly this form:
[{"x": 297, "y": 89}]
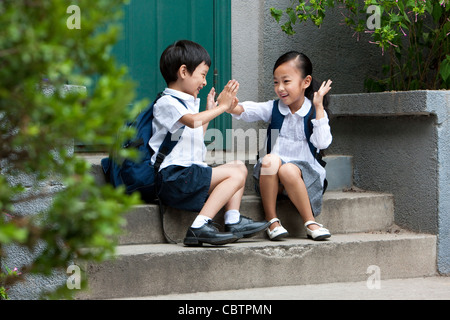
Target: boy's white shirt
[
  {"x": 291, "y": 143},
  {"x": 167, "y": 111}
]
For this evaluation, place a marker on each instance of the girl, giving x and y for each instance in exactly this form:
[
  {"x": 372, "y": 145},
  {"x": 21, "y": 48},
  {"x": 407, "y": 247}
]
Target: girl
[{"x": 291, "y": 166}]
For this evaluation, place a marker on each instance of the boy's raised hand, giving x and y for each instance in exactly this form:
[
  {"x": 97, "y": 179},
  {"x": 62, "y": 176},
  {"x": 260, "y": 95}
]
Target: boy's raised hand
[
  {"x": 228, "y": 95},
  {"x": 225, "y": 102}
]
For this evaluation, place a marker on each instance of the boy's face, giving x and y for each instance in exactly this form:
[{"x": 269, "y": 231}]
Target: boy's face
[{"x": 193, "y": 83}]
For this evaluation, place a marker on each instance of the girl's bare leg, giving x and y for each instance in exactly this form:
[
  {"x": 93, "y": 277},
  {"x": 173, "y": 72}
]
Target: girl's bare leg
[
  {"x": 291, "y": 178},
  {"x": 269, "y": 186}
]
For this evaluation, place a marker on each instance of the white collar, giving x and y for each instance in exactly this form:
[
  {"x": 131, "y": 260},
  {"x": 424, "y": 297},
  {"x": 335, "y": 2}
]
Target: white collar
[
  {"x": 302, "y": 112},
  {"x": 182, "y": 95}
]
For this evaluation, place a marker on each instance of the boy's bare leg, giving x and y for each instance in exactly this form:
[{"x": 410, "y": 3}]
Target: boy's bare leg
[
  {"x": 226, "y": 184},
  {"x": 227, "y": 188},
  {"x": 235, "y": 201},
  {"x": 269, "y": 186}
]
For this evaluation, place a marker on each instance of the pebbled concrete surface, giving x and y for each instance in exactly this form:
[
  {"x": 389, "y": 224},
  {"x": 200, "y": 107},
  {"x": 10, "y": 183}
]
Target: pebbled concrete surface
[{"x": 429, "y": 288}]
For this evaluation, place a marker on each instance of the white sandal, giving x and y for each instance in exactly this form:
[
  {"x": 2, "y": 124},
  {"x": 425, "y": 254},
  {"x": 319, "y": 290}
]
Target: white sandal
[
  {"x": 318, "y": 234},
  {"x": 278, "y": 232}
]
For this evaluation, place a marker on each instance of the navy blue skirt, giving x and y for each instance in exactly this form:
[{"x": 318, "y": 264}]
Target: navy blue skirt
[{"x": 184, "y": 188}]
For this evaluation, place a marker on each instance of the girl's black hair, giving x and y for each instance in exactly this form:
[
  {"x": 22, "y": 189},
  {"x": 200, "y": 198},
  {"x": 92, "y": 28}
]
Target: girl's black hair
[
  {"x": 182, "y": 52},
  {"x": 304, "y": 65}
]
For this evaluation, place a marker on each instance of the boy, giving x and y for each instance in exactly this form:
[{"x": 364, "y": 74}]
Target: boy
[{"x": 185, "y": 181}]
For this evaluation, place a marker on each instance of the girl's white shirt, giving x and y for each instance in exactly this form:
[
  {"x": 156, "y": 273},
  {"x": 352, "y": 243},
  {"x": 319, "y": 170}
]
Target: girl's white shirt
[
  {"x": 291, "y": 144},
  {"x": 190, "y": 149}
]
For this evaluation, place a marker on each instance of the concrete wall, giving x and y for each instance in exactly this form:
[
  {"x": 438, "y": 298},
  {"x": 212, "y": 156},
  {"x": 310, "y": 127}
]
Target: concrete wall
[
  {"x": 400, "y": 142},
  {"x": 394, "y": 154},
  {"x": 247, "y": 18},
  {"x": 257, "y": 42}
]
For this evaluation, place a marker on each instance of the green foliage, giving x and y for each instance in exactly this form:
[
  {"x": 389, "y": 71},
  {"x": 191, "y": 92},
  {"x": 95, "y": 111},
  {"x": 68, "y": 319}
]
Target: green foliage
[
  {"x": 4, "y": 277},
  {"x": 39, "y": 53},
  {"x": 413, "y": 32}
]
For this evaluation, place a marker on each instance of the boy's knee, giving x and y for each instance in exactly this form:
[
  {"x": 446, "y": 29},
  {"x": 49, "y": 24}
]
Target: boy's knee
[
  {"x": 239, "y": 171},
  {"x": 241, "y": 167}
]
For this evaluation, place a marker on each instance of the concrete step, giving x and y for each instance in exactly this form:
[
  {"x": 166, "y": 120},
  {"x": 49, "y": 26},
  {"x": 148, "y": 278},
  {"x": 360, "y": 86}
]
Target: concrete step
[
  {"x": 339, "y": 168},
  {"x": 160, "y": 269},
  {"x": 423, "y": 288},
  {"x": 342, "y": 212}
]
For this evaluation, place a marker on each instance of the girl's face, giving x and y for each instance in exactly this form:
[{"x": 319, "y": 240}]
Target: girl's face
[{"x": 290, "y": 85}]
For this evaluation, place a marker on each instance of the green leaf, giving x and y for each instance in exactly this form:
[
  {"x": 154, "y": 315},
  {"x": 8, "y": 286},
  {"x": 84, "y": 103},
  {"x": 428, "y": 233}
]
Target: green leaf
[
  {"x": 437, "y": 11},
  {"x": 292, "y": 15},
  {"x": 276, "y": 14},
  {"x": 445, "y": 69}
]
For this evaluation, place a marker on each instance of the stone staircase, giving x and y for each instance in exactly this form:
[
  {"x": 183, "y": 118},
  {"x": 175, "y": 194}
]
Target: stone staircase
[{"x": 363, "y": 234}]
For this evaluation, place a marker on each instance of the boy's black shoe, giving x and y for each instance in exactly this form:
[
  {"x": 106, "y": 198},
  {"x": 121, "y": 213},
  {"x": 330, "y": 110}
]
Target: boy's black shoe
[
  {"x": 246, "y": 227},
  {"x": 208, "y": 233}
]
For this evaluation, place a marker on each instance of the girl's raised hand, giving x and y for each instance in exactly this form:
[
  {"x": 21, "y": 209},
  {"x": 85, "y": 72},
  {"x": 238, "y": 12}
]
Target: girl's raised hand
[
  {"x": 228, "y": 94},
  {"x": 323, "y": 90},
  {"x": 210, "y": 100}
]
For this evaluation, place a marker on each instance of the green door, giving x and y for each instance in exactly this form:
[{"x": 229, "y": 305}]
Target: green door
[{"x": 149, "y": 26}]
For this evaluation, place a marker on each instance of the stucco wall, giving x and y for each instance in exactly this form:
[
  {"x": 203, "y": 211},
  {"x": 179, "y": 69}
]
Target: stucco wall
[
  {"x": 400, "y": 142},
  {"x": 394, "y": 154},
  {"x": 257, "y": 42}
]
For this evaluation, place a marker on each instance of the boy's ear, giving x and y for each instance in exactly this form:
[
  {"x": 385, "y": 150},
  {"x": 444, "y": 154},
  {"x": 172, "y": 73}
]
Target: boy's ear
[{"x": 182, "y": 72}]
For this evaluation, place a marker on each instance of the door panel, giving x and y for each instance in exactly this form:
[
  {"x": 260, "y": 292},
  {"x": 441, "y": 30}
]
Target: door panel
[
  {"x": 149, "y": 26},
  {"x": 152, "y": 25}
]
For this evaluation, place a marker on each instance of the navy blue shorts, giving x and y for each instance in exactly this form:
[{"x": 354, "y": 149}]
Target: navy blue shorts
[{"x": 184, "y": 188}]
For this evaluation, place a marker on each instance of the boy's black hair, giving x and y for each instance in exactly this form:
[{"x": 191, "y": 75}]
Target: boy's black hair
[
  {"x": 306, "y": 69},
  {"x": 182, "y": 52}
]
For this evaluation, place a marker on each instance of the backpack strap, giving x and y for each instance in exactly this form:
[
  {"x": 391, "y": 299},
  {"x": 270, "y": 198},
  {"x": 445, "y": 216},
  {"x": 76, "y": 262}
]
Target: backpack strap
[
  {"x": 308, "y": 126},
  {"x": 308, "y": 132},
  {"x": 275, "y": 126},
  {"x": 168, "y": 144},
  {"x": 166, "y": 147}
]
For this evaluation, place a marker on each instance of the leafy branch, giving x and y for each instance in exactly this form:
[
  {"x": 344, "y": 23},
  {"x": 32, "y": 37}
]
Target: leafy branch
[{"x": 414, "y": 33}]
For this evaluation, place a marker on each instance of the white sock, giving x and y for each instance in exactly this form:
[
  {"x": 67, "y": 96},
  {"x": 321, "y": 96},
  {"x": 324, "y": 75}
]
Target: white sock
[
  {"x": 200, "y": 221},
  {"x": 232, "y": 216}
]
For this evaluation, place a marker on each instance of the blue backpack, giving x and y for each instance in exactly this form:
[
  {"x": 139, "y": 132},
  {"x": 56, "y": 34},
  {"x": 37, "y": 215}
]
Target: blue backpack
[
  {"x": 276, "y": 124},
  {"x": 140, "y": 175}
]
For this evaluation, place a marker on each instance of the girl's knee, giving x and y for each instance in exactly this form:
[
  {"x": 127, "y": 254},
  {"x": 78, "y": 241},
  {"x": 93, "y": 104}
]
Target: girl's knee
[
  {"x": 289, "y": 173},
  {"x": 270, "y": 164},
  {"x": 270, "y": 159}
]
